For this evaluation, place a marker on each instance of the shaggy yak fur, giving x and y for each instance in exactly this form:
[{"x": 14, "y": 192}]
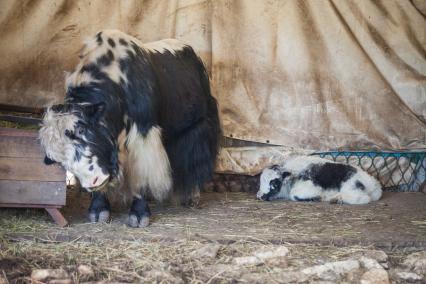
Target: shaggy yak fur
[{"x": 137, "y": 117}]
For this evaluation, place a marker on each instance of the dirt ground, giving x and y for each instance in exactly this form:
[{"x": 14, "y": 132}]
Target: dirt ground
[{"x": 230, "y": 238}]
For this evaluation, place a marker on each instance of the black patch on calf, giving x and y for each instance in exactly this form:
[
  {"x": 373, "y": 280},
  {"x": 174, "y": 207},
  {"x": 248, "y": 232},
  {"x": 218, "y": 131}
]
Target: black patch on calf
[
  {"x": 284, "y": 175},
  {"x": 123, "y": 42},
  {"x": 91, "y": 168},
  {"x": 328, "y": 175},
  {"x": 360, "y": 185},
  {"x": 111, "y": 42},
  {"x": 98, "y": 204},
  {"x": 274, "y": 189}
]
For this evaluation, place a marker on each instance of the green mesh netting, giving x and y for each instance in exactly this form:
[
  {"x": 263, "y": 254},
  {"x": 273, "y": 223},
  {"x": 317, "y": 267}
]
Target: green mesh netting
[{"x": 397, "y": 171}]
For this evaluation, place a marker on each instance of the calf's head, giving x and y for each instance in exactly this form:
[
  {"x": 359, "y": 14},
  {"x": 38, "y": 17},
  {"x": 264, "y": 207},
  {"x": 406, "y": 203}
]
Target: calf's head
[
  {"x": 271, "y": 182},
  {"x": 76, "y": 136}
]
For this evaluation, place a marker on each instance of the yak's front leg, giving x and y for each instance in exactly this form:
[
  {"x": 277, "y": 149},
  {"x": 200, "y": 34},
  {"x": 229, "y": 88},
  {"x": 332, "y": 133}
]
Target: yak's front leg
[
  {"x": 99, "y": 210},
  {"x": 139, "y": 213}
]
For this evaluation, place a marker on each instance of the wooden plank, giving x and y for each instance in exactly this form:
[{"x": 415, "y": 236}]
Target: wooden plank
[
  {"x": 30, "y": 169},
  {"x": 20, "y": 146},
  {"x": 21, "y": 119},
  {"x": 57, "y": 216},
  {"x": 30, "y": 192},
  {"x": 4, "y": 131},
  {"x": 15, "y": 205},
  {"x": 15, "y": 108}
]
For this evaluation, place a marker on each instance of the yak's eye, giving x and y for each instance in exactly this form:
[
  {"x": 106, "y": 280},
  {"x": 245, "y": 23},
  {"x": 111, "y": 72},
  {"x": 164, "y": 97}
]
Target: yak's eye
[{"x": 80, "y": 131}]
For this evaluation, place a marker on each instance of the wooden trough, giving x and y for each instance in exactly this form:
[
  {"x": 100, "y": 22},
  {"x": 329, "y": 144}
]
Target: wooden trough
[{"x": 25, "y": 181}]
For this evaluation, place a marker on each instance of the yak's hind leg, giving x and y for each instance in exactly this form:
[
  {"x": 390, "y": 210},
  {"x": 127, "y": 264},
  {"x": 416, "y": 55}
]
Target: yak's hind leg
[
  {"x": 99, "y": 209},
  {"x": 192, "y": 156},
  {"x": 139, "y": 213}
]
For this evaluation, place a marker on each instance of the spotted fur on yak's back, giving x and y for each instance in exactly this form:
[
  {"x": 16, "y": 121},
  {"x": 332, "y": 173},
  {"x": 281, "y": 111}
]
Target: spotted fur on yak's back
[{"x": 103, "y": 53}]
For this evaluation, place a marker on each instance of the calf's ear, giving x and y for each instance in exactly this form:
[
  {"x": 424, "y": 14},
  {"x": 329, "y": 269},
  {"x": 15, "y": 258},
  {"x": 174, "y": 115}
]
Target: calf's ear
[
  {"x": 285, "y": 174},
  {"x": 48, "y": 161}
]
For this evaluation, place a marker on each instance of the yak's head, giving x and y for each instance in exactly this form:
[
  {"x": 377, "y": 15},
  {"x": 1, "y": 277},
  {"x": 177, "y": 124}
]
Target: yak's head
[
  {"x": 75, "y": 135},
  {"x": 271, "y": 182}
]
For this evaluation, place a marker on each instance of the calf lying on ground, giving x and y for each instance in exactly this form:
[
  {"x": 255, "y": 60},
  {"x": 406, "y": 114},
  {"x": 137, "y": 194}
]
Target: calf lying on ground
[{"x": 307, "y": 178}]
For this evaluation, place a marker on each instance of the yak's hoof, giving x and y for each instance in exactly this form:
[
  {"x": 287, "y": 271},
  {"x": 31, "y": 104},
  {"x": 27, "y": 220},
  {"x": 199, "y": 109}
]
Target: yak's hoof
[
  {"x": 136, "y": 222},
  {"x": 103, "y": 216},
  {"x": 139, "y": 213}
]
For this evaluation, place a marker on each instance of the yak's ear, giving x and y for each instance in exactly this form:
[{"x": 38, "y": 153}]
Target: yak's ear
[
  {"x": 94, "y": 112},
  {"x": 48, "y": 161}
]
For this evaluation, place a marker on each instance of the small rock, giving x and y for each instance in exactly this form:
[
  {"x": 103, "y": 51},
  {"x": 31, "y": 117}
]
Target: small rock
[
  {"x": 375, "y": 276},
  {"x": 220, "y": 187},
  {"x": 409, "y": 276},
  {"x": 163, "y": 277},
  {"x": 261, "y": 256},
  {"x": 85, "y": 271},
  {"x": 206, "y": 251},
  {"x": 46, "y": 274},
  {"x": 280, "y": 251},
  {"x": 416, "y": 262},
  {"x": 379, "y": 255},
  {"x": 332, "y": 270},
  {"x": 61, "y": 281},
  {"x": 291, "y": 277},
  {"x": 369, "y": 263},
  {"x": 235, "y": 186}
]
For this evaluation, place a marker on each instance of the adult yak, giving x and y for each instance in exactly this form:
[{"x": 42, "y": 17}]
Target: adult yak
[{"x": 137, "y": 117}]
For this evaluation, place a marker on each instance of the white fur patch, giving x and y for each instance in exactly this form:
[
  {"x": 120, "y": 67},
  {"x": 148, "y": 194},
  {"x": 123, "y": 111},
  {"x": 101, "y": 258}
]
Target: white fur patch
[
  {"x": 56, "y": 144},
  {"x": 170, "y": 44},
  {"x": 148, "y": 165},
  {"x": 61, "y": 149},
  {"x": 298, "y": 164},
  {"x": 304, "y": 189}
]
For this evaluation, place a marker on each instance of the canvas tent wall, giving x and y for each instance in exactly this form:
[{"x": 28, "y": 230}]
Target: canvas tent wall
[{"x": 303, "y": 75}]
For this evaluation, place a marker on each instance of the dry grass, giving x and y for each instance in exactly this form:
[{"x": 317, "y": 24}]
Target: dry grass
[{"x": 162, "y": 261}]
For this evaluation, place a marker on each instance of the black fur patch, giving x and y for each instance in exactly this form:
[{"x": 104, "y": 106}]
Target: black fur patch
[
  {"x": 328, "y": 175},
  {"x": 105, "y": 59},
  {"x": 123, "y": 42},
  {"x": 91, "y": 168},
  {"x": 284, "y": 175},
  {"x": 111, "y": 42},
  {"x": 360, "y": 185},
  {"x": 274, "y": 188},
  {"x": 48, "y": 161},
  {"x": 99, "y": 39}
]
